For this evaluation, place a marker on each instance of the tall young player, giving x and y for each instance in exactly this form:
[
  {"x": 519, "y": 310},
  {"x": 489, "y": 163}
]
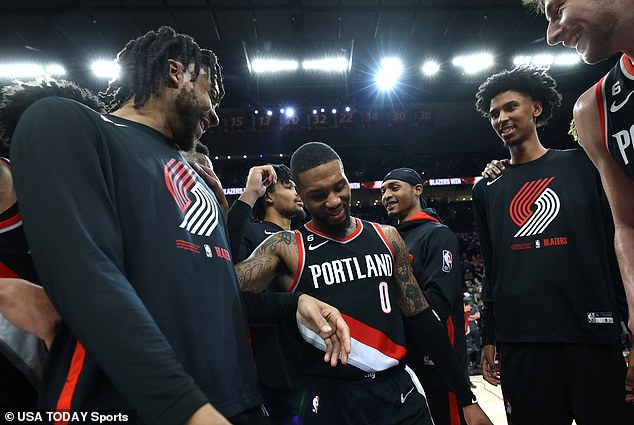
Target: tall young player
[{"x": 549, "y": 290}]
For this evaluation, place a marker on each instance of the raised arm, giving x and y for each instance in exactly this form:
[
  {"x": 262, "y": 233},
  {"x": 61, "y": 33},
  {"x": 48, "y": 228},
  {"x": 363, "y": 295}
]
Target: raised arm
[
  {"x": 276, "y": 255},
  {"x": 619, "y": 190}
]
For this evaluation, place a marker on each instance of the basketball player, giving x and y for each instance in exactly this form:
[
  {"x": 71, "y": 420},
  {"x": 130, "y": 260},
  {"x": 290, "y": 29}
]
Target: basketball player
[
  {"x": 23, "y": 304},
  {"x": 551, "y": 283},
  {"x": 363, "y": 269},
  {"x": 597, "y": 29},
  {"x": 133, "y": 249},
  {"x": 274, "y": 349},
  {"x": 433, "y": 248}
]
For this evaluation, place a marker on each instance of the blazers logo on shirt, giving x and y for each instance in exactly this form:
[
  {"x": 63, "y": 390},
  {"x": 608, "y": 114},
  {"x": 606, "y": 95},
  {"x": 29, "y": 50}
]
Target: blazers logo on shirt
[
  {"x": 534, "y": 207},
  {"x": 200, "y": 210}
]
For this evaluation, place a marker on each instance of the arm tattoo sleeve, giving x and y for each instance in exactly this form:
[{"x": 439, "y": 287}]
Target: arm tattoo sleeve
[
  {"x": 411, "y": 298},
  {"x": 255, "y": 273}
]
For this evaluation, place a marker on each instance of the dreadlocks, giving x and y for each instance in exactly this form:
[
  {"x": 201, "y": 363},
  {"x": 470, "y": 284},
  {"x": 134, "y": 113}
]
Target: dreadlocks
[{"x": 143, "y": 63}]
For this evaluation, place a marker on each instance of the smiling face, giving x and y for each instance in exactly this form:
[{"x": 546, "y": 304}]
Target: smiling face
[
  {"x": 512, "y": 115},
  {"x": 400, "y": 199},
  {"x": 194, "y": 107},
  {"x": 589, "y": 26},
  {"x": 326, "y": 195}
]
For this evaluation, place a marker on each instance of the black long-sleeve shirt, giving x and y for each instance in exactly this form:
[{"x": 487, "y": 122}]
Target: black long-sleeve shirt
[
  {"x": 133, "y": 250},
  {"x": 545, "y": 232}
]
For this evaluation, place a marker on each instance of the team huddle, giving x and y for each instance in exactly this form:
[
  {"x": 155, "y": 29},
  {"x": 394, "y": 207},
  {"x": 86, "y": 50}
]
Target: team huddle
[{"x": 128, "y": 283}]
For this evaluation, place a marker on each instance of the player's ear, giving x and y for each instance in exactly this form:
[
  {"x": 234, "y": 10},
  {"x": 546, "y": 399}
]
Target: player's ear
[
  {"x": 175, "y": 71},
  {"x": 418, "y": 189},
  {"x": 538, "y": 108}
]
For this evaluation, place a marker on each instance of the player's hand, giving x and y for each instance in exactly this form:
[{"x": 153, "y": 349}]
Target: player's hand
[
  {"x": 28, "y": 307},
  {"x": 474, "y": 415},
  {"x": 629, "y": 379},
  {"x": 494, "y": 168},
  {"x": 258, "y": 180},
  {"x": 206, "y": 415},
  {"x": 490, "y": 370},
  {"x": 326, "y": 321},
  {"x": 209, "y": 176}
]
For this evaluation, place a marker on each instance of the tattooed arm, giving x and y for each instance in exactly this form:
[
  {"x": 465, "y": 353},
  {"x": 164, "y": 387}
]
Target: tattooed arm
[
  {"x": 276, "y": 255},
  {"x": 411, "y": 298},
  {"x": 429, "y": 332}
]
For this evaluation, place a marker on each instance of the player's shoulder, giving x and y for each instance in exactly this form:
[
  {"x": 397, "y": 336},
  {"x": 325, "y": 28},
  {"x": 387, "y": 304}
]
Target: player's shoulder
[{"x": 586, "y": 104}]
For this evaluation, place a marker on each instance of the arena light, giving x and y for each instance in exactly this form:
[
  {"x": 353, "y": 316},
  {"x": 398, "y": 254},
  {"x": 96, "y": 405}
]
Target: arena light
[
  {"x": 290, "y": 112},
  {"x": 29, "y": 70},
  {"x": 561, "y": 59},
  {"x": 262, "y": 66},
  {"x": 105, "y": 69},
  {"x": 269, "y": 113},
  {"x": 389, "y": 73},
  {"x": 347, "y": 109},
  {"x": 55, "y": 69},
  {"x": 539, "y": 60},
  {"x": 472, "y": 64},
  {"x": 430, "y": 68},
  {"x": 567, "y": 59},
  {"x": 332, "y": 64}
]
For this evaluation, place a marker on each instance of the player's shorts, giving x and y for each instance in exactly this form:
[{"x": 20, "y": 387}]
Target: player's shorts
[
  {"x": 554, "y": 383},
  {"x": 372, "y": 400},
  {"x": 282, "y": 404}
]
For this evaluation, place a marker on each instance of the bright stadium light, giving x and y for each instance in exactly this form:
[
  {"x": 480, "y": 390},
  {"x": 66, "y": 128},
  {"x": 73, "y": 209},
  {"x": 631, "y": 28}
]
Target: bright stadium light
[
  {"x": 333, "y": 64},
  {"x": 260, "y": 66},
  {"x": 55, "y": 69},
  {"x": 472, "y": 64},
  {"x": 430, "y": 68},
  {"x": 387, "y": 76},
  {"x": 105, "y": 69},
  {"x": 567, "y": 59},
  {"x": 290, "y": 112},
  {"x": 29, "y": 70},
  {"x": 561, "y": 59}
]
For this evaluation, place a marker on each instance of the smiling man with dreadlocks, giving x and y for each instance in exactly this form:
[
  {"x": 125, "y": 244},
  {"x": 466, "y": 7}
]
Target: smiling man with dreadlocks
[{"x": 133, "y": 249}]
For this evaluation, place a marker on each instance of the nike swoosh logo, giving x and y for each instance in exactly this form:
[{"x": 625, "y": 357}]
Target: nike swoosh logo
[
  {"x": 311, "y": 247},
  {"x": 494, "y": 180},
  {"x": 614, "y": 107},
  {"x": 403, "y": 397},
  {"x": 269, "y": 233}
]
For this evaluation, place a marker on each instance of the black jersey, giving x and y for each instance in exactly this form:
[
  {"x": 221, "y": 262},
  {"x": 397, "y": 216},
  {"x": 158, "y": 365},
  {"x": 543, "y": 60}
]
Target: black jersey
[
  {"x": 132, "y": 249},
  {"x": 616, "y": 113},
  {"x": 15, "y": 259},
  {"x": 545, "y": 231},
  {"x": 22, "y": 354},
  {"x": 354, "y": 274}
]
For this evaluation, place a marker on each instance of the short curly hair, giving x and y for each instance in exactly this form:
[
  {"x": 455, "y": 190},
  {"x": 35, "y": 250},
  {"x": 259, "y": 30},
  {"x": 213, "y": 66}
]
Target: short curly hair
[
  {"x": 15, "y": 98},
  {"x": 530, "y": 80},
  {"x": 144, "y": 64}
]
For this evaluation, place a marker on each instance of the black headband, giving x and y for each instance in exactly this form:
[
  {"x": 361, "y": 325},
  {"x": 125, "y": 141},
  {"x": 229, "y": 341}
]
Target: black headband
[{"x": 406, "y": 175}]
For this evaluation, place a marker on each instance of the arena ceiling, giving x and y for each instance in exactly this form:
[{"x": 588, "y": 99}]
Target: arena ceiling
[{"x": 76, "y": 32}]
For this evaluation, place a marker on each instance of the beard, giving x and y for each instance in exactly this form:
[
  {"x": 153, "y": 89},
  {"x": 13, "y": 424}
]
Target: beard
[
  {"x": 188, "y": 112},
  {"x": 339, "y": 229}
]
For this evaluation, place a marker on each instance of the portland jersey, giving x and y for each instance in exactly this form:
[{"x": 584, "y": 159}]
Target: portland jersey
[
  {"x": 15, "y": 260},
  {"x": 355, "y": 275},
  {"x": 23, "y": 353},
  {"x": 616, "y": 113}
]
